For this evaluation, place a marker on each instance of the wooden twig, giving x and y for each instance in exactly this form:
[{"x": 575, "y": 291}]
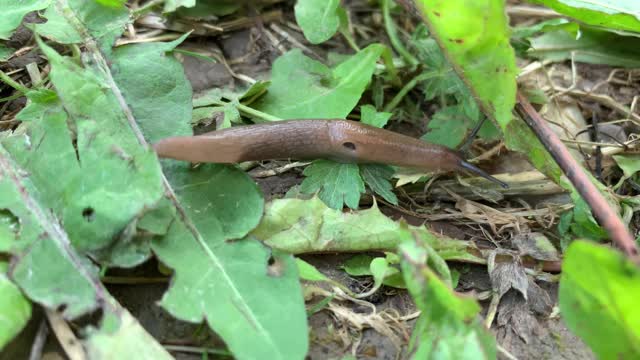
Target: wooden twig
[{"x": 605, "y": 215}]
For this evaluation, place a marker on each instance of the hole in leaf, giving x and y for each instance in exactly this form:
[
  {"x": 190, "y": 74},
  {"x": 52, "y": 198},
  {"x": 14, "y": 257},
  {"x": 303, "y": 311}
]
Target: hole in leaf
[
  {"x": 349, "y": 145},
  {"x": 275, "y": 267},
  {"x": 88, "y": 214},
  {"x": 9, "y": 224}
]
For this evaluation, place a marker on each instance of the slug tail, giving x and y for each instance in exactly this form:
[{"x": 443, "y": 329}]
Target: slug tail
[{"x": 476, "y": 170}]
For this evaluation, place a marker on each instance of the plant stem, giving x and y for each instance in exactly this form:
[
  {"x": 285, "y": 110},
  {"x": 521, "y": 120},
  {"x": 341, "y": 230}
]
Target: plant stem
[
  {"x": 14, "y": 84},
  {"x": 393, "y": 35},
  {"x": 259, "y": 114},
  {"x": 410, "y": 85}
]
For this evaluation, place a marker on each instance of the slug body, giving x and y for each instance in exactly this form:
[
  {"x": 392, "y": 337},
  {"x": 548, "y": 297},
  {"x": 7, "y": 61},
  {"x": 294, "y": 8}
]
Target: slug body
[{"x": 341, "y": 140}]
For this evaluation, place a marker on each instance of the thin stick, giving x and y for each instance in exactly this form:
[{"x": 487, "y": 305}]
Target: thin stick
[
  {"x": 38, "y": 343},
  {"x": 599, "y": 206}
]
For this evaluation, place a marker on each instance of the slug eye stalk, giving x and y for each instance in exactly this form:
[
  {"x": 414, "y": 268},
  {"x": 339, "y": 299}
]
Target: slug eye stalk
[{"x": 476, "y": 170}]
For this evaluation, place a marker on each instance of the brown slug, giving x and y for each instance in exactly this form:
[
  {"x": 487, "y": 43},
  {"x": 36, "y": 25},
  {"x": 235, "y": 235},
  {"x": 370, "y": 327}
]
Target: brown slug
[{"x": 340, "y": 140}]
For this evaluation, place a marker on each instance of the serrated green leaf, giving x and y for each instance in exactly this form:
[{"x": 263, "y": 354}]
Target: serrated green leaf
[
  {"x": 318, "y": 19},
  {"x": 336, "y": 183},
  {"x": 614, "y": 14},
  {"x": 598, "y": 293},
  {"x": 448, "y": 127},
  {"x": 15, "y": 309},
  {"x": 378, "y": 177},
  {"x": 13, "y": 12},
  {"x": 370, "y": 116},
  {"x": 108, "y": 158},
  {"x": 103, "y": 23},
  {"x": 42, "y": 253},
  {"x": 449, "y": 326},
  {"x": 589, "y": 45},
  {"x": 304, "y": 88},
  {"x": 444, "y": 80}
]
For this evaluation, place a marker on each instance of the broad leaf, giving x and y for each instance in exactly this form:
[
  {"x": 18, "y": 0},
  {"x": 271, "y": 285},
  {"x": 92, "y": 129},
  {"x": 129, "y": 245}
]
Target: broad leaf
[
  {"x": 120, "y": 335},
  {"x": 141, "y": 67},
  {"x": 309, "y": 226},
  {"x": 103, "y": 23},
  {"x": 598, "y": 296},
  {"x": 215, "y": 280},
  {"x": 318, "y": 19},
  {"x": 15, "y": 309},
  {"x": 614, "y": 14},
  {"x": 108, "y": 158},
  {"x": 13, "y": 12},
  {"x": 304, "y": 88},
  {"x": 51, "y": 272},
  {"x": 589, "y": 46}
]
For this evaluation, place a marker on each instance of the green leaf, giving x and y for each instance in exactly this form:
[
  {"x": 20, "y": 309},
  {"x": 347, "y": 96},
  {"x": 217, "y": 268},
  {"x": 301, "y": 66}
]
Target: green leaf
[
  {"x": 358, "y": 265},
  {"x": 363, "y": 265},
  {"x": 380, "y": 269},
  {"x": 305, "y": 88},
  {"x": 337, "y": 183},
  {"x": 141, "y": 67},
  {"x": 521, "y": 34},
  {"x": 112, "y": 3},
  {"x": 13, "y": 11},
  {"x": 619, "y": 14},
  {"x": 104, "y": 23},
  {"x": 369, "y": 116},
  {"x": 107, "y": 160},
  {"x": 444, "y": 80},
  {"x": 15, "y": 309},
  {"x": 589, "y": 45},
  {"x": 629, "y": 163},
  {"x": 449, "y": 326},
  {"x": 378, "y": 177},
  {"x": 5, "y": 52},
  {"x": 120, "y": 335},
  {"x": 318, "y": 19},
  {"x": 448, "y": 127},
  {"x": 308, "y": 226},
  {"x": 474, "y": 34},
  {"x": 598, "y": 296},
  {"x": 47, "y": 269},
  {"x": 229, "y": 284},
  {"x": 309, "y": 272},
  {"x": 202, "y": 9}
]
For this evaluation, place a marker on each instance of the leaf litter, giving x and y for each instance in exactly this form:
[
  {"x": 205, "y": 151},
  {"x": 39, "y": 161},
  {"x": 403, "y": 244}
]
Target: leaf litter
[{"x": 485, "y": 218}]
